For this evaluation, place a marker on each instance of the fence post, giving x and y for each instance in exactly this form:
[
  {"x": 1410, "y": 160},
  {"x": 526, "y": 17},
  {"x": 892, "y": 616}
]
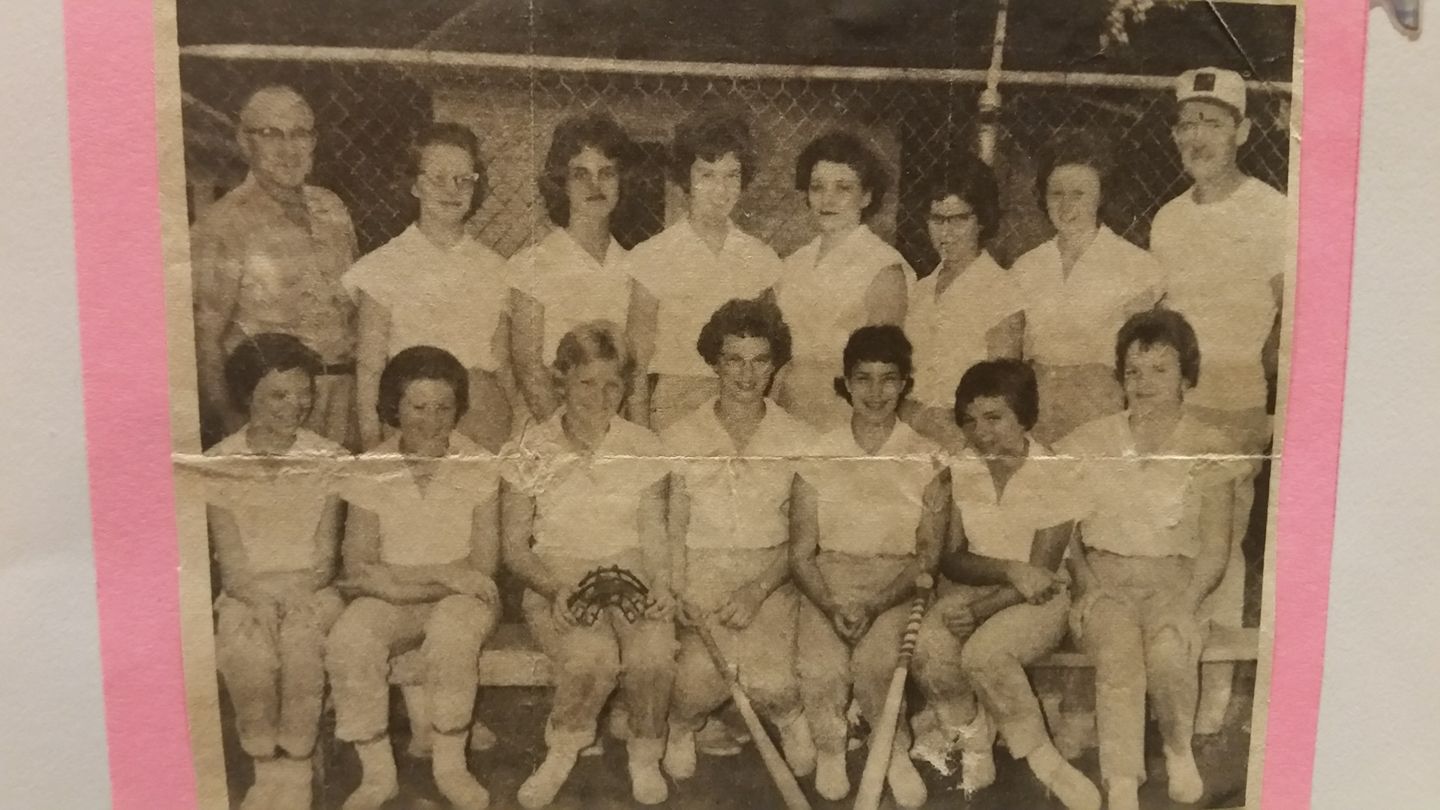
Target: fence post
[{"x": 990, "y": 96}]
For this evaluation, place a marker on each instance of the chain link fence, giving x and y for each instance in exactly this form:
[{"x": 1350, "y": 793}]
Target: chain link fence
[{"x": 368, "y": 107}]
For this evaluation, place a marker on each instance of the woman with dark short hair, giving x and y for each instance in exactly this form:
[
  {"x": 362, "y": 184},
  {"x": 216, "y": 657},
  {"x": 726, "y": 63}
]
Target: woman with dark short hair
[
  {"x": 1156, "y": 545},
  {"x": 1003, "y": 600},
  {"x": 422, "y": 544},
  {"x": 273, "y": 526},
  {"x": 587, "y": 490},
  {"x": 732, "y": 509},
  {"x": 1079, "y": 287},
  {"x": 578, "y": 272},
  {"x": 970, "y": 308},
  {"x": 694, "y": 266},
  {"x": 845, "y": 278},
  {"x": 871, "y": 510},
  {"x": 436, "y": 285}
]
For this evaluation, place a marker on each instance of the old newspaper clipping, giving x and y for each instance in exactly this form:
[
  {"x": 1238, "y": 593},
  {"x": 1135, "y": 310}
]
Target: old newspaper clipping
[{"x": 772, "y": 403}]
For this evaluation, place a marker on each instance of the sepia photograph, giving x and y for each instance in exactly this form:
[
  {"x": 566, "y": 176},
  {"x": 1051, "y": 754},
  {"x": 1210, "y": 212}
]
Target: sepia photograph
[{"x": 780, "y": 403}]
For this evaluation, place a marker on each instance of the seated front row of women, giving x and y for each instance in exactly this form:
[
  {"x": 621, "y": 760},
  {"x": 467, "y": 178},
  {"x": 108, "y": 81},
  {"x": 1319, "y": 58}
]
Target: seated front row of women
[{"x": 852, "y": 517}]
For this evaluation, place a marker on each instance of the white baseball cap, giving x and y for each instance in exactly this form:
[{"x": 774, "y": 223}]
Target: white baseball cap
[{"x": 1213, "y": 84}]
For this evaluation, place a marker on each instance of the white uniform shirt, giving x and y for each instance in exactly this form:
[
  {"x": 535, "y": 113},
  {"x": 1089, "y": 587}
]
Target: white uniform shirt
[
  {"x": 1039, "y": 495},
  {"x": 1219, "y": 259},
  {"x": 1072, "y": 320},
  {"x": 949, "y": 330},
  {"x": 429, "y": 525},
  {"x": 1140, "y": 506},
  {"x": 586, "y": 504},
  {"x": 277, "y": 501},
  {"x": 823, "y": 298},
  {"x": 451, "y": 298},
  {"x": 871, "y": 505},
  {"x": 573, "y": 287},
  {"x": 739, "y": 499},
  {"x": 691, "y": 281}
]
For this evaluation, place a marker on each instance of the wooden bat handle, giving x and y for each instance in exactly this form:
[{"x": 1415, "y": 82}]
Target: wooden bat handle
[
  {"x": 882, "y": 741},
  {"x": 774, "y": 761}
]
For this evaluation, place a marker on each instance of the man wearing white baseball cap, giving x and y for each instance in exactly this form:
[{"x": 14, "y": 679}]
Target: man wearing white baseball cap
[{"x": 1224, "y": 245}]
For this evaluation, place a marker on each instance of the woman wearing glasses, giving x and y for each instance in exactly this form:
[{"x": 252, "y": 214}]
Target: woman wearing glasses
[
  {"x": 969, "y": 309},
  {"x": 436, "y": 285}
]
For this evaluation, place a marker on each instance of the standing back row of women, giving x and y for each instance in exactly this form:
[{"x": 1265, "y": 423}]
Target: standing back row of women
[
  {"x": 737, "y": 517},
  {"x": 435, "y": 284}
]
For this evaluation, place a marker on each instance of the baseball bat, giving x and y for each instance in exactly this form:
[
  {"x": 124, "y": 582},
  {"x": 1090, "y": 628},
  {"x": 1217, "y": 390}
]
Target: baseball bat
[
  {"x": 882, "y": 741},
  {"x": 775, "y": 763}
]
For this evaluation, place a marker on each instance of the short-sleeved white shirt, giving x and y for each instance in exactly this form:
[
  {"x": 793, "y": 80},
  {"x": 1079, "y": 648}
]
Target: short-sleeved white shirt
[
  {"x": 823, "y": 297},
  {"x": 429, "y": 525},
  {"x": 451, "y": 298},
  {"x": 870, "y": 505},
  {"x": 586, "y": 504},
  {"x": 949, "y": 330},
  {"x": 1141, "y": 506},
  {"x": 739, "y": 498},
  {"x": 277, "y": 501},
  {"x": 690, "y": 282},
  {"x": 571, "y": 285},
  {"x": 1072, "y": 320},
  {"x": 1219, "y": 261},
  {"x": 1040, "y": 494}
]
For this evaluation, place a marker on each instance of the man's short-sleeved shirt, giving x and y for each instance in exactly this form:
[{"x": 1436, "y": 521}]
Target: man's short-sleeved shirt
[
  {"x": 1220, "y": 261},
  {"x": 950, "y": 330},
  {"x": 571, "y": 285},
  {"x": 871, "y": 505},
  {"x": 277, "y": 501},
  {"x": 1072, "y": 320},
  {"x": 739, "y": 498},
  {"x": 1040, "y": 494},
  {"x": 587, "y": 505},
  {"x": 426, "y": 522},
  {"x": 1147, "y": 505},
  {"x": 288, "y": 270},
  {"x": 690, "y": 281},
  {"x": 451, "y": 298}
]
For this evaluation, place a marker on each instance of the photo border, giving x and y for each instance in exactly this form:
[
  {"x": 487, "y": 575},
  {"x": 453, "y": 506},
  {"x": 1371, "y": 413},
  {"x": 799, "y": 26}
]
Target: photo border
[{"x": 116, "y": 173}]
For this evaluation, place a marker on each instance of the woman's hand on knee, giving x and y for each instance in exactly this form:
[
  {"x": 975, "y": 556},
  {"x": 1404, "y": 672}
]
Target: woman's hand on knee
[
  {"x": 960, "y": 620},
  {"x": 661, "y": 607},
  {"x": 560, "y": 608},
  {"x": 469, "y": 582},
  {"x": 741, "y": 608}
]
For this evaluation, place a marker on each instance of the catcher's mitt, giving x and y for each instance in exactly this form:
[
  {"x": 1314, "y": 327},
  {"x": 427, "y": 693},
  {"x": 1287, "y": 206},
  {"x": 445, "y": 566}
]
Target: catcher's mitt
[{"x": 609, "y": 587}]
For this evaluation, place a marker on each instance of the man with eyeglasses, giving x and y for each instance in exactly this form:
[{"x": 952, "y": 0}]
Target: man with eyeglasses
[
  {"x": 268, "y": 257},
  {"x": 1224, "y": 245}
]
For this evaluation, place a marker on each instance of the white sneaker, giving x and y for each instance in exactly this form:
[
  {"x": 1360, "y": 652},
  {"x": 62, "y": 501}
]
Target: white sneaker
[
  {"x": 1186, "y": 786},
  {"x": 262, "y": 792},
  {"x": 977, "y": 753},
  {"x": 1124, "y": 794},
  {"x": 715, "y": 740},
  {"x": 905, "y": 783},
  {"x": 679, "y": 758},
  {"x": 831, "y": 779},
  {"x": 647, "y": 783},
  {"x": 798, "y": 746}
]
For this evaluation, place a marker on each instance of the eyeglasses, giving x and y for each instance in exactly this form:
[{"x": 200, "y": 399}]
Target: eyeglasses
[
  {"x": 455, "y": 181},
  {"x": 1208, "y": 126},
  {"x": 278, "y": 135}
]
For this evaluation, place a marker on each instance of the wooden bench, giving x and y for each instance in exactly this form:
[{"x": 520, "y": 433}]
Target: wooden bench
[{"x": 512, "y": 658}]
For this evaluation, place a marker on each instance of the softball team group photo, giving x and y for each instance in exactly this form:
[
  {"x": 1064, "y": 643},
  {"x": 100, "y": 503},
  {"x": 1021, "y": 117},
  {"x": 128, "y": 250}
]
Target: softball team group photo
[{"x": 873, "y": 536}]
